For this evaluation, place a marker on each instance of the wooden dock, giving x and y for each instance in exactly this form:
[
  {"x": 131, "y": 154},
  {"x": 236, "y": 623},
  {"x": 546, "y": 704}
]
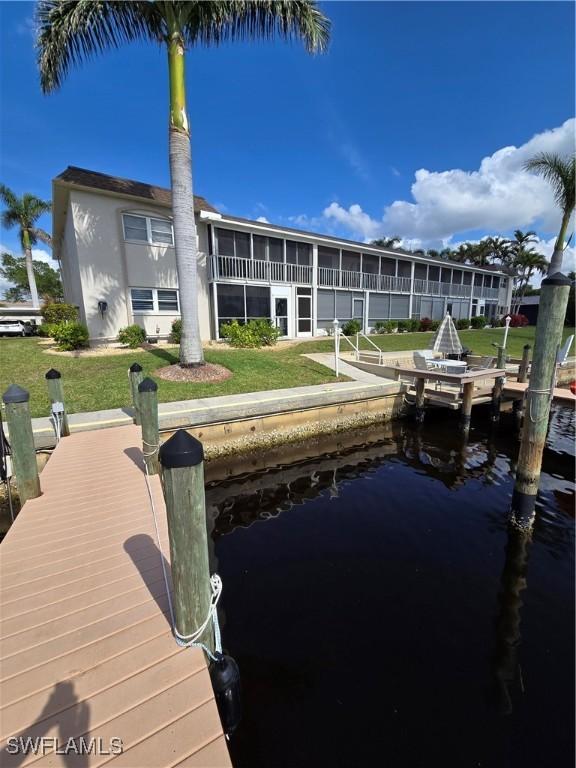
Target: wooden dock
[
  {"x": 515, "y": 390},
  {"x": 85, "y": 637}
]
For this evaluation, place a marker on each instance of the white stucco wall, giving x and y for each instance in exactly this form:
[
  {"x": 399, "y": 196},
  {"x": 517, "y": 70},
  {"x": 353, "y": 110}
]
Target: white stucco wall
[{"x": 108, "y": 267}]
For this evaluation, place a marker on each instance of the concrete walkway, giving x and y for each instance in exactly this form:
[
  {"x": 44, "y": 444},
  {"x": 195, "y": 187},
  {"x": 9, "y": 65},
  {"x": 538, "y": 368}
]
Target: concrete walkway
[{"x": 346, "y": 369}]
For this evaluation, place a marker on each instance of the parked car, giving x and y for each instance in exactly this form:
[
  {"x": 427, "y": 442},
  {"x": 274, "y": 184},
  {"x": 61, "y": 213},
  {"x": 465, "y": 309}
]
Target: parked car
[{"x": 15, "y": 328}]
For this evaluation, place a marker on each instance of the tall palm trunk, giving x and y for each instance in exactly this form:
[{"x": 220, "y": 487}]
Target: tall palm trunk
[
  {"x": 558, "y": 255},
  {"x": 185, "y": 235},
  {"x": 30, "y": 268}
]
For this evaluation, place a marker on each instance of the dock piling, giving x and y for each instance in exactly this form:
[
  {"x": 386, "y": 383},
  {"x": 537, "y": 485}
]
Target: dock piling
[
  {"x": 420, "y": 387},
  {"x": 56, "y": 395},
  {"x": 498, "y": 385},
  {"x": 466, "y": 414},
  {"x": 553, "y": 302},
  {"x": 148, "y": 400},
  {"x": 135, "y": 376},
  {"x": 518, "y": 405},
  {"x": 21, "y": 440},
  {"x": 182, "y": 461}
]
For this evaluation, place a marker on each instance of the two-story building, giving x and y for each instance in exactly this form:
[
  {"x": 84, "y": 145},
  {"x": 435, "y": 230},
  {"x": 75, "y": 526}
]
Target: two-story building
[{"x": 115, "y": 243}]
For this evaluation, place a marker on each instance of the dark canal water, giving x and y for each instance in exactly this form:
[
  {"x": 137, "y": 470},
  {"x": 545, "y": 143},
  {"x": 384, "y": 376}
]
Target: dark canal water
[{"x": 381, "y": 610}]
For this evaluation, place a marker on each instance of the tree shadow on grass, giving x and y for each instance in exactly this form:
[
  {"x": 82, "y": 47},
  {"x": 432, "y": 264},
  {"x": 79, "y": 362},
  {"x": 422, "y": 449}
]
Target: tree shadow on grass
[{"x": 164, "y": 354}]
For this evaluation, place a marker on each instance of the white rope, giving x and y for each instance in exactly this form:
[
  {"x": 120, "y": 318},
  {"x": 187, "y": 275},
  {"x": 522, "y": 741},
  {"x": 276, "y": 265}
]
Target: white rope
[{"x": 187, "y": 641}]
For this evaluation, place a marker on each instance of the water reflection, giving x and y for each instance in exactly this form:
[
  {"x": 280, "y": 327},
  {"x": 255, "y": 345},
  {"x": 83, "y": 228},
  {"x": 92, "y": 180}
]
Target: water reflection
[
  {"x": 506, "y": 663},
  {"x": 406, "y": 531}
]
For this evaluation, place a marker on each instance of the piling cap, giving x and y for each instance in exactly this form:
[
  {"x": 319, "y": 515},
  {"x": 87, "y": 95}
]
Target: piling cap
[
  {"x": 53, "y": 374},
  {"x": 15, "y": 394},
  {"x": 181, "y": 450},
  {"x": 148, "y": 385},
  {"x": 135, "y": 368},
  {"x": 557, "y": 279}
]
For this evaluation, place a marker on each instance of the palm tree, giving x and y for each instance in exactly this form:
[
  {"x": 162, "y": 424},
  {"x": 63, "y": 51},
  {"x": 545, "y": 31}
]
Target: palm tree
[
  {"x": 498, "y": 249},
  {"x": 71, "y": 31},
  {"x": 23, "y": 212},
  {"x": 527, "y": 262},
  {"x": 387, "y": 242},
  {"x": 560, "y": 173}
]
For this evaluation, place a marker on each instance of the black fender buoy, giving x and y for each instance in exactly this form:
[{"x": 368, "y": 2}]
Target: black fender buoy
[{"x": 225, "y": 677}]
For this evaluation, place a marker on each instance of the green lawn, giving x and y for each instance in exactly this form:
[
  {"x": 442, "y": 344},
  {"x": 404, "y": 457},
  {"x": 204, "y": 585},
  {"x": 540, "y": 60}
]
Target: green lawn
[
  {"x": 96, "y": 383},
  {"x": 480, "y": 342},
  {"x": 101, "y": 382}
]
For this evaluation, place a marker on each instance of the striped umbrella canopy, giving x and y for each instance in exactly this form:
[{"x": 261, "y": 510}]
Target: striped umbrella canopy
[{"x": 446, "y": 339}]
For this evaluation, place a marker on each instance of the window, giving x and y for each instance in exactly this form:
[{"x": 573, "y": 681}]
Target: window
[
  {"x": 135, "y": 228},
  {"x": 404, "y": 268},
  {"x": 420, "y": 271},
  {"x": 297, "y": 253},
  {"x": 161, "y": 231},
  {"x": 242, "y": 303},
  {"x": 167, "y": 300},
  {"x": 388, "y": 266},
  {"x": 350, "y": 261},
  {"x": 370, "y": 264},
  {"x": 328, "y": 257},
  {"x": 148, "y": 229},
  {"x": 154, "y": 300},
  {"x": 142, "y": 299}
]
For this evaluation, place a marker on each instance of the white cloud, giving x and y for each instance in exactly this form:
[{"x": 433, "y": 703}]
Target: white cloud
[
  {"x": 263, "y": 220},
  {"x": 354, "y": 219},
  {"x": 497, "y": 197},
  {"x": 546, "y": 248}
]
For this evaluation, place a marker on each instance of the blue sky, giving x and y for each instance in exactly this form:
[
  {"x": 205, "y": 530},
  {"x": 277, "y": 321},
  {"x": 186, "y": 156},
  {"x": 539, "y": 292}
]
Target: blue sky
[{"x": 331, "y": 142}]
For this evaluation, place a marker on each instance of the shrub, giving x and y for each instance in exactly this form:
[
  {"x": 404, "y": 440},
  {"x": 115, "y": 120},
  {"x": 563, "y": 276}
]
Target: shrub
[
  {"x": 59, "y": 313},
  {"x": 256, "y": 333},
  {"x": 176, "y": 332},
  {"x": 70, "y": 336},
  {"x": 518, "y": 321},
  {"x": 47, "y": 329},
  {"x": 414, "y": 325},
  {"x": 434, "y": 325},
  {"x": 132, "y": 336},
  {"x": 265, "y": 332},
  {"x": 352, "y": 327},
  {"x": 386, "y": 326},
  {"x": 404, "y": 326},
  {"x": 478, "y": 322},
  {"x": 425, "y": 324},
  {"x": 462, "y": 324}
]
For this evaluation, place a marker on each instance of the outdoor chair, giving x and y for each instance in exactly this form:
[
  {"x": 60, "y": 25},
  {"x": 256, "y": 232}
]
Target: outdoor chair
[
  {"x": 563, "y": 351},
  {"x": 484, "y": 362},
  {"x": 422, "y": 358}
]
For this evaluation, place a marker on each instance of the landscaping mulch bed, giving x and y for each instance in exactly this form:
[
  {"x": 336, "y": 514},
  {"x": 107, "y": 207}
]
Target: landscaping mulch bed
[{"x": 202, "y": 373}]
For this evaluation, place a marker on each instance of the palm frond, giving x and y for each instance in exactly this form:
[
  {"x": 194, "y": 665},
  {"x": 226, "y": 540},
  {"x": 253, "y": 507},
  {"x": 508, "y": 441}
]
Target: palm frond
[
  {"x": 559, "y": 172},
  {"x": 41, "y": 234},
  {"x": 211, "y": 23},
  {"x": 72, "y": 31},
  {"x": 8, "y": 197}
]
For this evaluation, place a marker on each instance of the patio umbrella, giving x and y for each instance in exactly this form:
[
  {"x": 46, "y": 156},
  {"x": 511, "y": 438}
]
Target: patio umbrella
[{"x": 446, "y": 339}]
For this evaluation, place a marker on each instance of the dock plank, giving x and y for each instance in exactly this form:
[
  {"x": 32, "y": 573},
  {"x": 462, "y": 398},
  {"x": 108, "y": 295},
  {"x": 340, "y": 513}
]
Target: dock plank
[{"x": 86, "y": 644}]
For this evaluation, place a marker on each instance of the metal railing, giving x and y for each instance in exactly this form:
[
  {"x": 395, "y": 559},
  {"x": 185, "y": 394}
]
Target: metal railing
[
  {"x": 237, "y": 268},
  {"x": 258, "y": 270},
  {"x": 364, "y": 281},
  {"x": 434, "y": 288}
]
